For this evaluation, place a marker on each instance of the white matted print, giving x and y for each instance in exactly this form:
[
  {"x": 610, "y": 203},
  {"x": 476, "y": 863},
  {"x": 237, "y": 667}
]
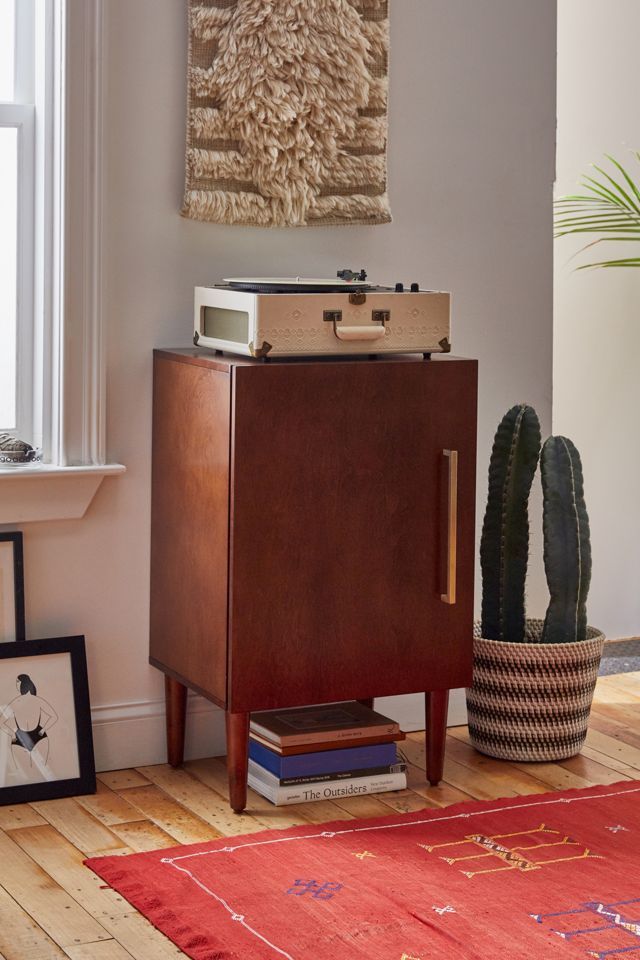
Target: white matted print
[
  {"x": 38, "y": 728},
  {"x": 11, "y": 588},
  {"x": 46, "y": 747}
]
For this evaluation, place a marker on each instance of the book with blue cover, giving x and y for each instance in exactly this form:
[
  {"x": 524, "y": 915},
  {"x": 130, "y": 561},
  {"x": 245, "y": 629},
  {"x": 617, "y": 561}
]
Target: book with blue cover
[{"x": 324, "y": 762}]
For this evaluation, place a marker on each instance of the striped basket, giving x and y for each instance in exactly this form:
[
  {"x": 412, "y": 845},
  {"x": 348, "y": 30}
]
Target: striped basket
[{"x": 531, "y": 700}]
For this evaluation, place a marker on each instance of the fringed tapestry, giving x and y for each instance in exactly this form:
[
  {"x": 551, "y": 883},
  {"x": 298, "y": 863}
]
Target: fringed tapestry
[{"x": 287, "y": 112}]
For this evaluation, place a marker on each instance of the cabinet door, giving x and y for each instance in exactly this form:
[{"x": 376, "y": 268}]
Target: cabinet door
[{"x": 340, "y": 530}]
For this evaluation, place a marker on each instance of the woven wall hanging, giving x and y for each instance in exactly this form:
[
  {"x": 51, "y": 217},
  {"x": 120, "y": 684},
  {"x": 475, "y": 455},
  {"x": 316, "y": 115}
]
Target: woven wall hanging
[{"x": 287, "y": 112}]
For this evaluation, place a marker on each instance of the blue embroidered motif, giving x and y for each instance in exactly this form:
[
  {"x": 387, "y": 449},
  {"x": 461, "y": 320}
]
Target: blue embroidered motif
[
  {"x": 319, "y": 891},
  {"x": 617, "y": 921}
]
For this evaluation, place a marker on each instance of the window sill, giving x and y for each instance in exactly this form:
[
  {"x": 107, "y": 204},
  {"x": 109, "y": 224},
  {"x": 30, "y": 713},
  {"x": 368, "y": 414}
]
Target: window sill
[{"x": 44, "y": 492}]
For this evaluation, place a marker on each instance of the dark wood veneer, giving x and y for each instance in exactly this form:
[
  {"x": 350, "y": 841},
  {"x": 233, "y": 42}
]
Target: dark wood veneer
[{"x": 299, "y": 534}]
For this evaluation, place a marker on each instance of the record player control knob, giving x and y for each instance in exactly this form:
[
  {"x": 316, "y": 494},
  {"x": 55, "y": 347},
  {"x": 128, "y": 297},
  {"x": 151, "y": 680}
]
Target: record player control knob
[
  {"x": 399, "y": 287},
  {"x": 415, "y": 288}
]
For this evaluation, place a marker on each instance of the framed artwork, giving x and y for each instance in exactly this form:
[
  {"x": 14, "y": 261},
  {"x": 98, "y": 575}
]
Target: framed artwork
[
  {"x": 11, "y": 587},
  {"x": 46, "y": 745}
]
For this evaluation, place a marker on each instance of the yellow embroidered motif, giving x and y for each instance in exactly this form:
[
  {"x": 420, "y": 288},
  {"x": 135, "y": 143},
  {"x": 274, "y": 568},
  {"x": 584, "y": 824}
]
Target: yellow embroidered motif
[
  {"x": 513, "y": 856},
  {"x": 405, "y": 956},
  {"x": 364, "y": 854}
]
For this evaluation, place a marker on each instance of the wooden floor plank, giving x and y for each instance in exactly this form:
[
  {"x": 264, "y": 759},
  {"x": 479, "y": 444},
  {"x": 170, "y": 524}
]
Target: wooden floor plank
[
  {"x": 64, "y": 863},
  {"x": 59, "y": 915},
  {"x": 122, "y": 779},
  {"x": 213, "y": 773},
  {"x": 593, "y": 771},
  {"x": 106, "y": 950},
  {"x": 441, "y": 796},
  {"x": 79, "y": 826},
  {"x": 629, "y": 683},
  {"x": 523, "y": 782},
  {"x": 20, "y": 937},
  {"x": 110, "y": 807},
  {"x": 19, "y": 815},
  {"x": 611, "y": 763},
  {"x": 625, "y": 716},
  {"x": 476, "y": 784},
  {"x": 202, "y": 801},
  {"x": 322, "y": 811},
  {"x": 405, "y": 801},
  {"x": 556, "y": 777},
  {"x": 141, "y": 939},
  {"x": 363, "y": 807},
  {"x": 613, "y": 746},
  {"x": 174, "y": 819},
  {"x": 142, "y": 835}
]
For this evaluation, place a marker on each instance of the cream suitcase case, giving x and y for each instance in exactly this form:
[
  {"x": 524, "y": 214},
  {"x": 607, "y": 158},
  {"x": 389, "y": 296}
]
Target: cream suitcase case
[{"x": 322, "y": 324}]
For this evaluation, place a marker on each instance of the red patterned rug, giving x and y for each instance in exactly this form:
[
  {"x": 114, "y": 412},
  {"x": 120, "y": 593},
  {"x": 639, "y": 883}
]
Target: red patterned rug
[{"x": 552, "y": 875}]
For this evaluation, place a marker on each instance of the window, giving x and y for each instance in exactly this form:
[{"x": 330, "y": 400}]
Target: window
[
  {"x": 17, "y": 193},
  {"x": 52, "y": 389},
  {"x": 51, "y": 346}
]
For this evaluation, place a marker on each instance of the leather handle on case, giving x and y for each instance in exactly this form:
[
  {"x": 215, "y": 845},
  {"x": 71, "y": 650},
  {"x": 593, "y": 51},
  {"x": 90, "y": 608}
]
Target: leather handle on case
[
  {"x": 452, "y": 527},
  {"x": 369, "y": 331}
]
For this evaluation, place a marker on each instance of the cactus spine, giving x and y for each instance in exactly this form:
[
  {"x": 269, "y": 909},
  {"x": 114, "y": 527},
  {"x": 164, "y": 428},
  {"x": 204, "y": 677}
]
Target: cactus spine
[
  {"x": 567, "y": 548},
  {"x": 504, "y": 548}
]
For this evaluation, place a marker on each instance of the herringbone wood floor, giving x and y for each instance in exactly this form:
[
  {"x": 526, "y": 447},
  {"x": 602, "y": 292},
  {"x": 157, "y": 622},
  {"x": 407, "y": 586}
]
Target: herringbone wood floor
[{"x": 51, "y": 906}]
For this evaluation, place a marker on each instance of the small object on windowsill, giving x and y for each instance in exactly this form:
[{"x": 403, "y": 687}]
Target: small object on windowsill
[{"x": 17, "y": 453}]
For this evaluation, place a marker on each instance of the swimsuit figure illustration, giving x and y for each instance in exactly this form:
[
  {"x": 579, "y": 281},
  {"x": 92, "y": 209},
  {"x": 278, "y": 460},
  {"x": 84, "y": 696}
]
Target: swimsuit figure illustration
[{"x": 27, "y": 718}]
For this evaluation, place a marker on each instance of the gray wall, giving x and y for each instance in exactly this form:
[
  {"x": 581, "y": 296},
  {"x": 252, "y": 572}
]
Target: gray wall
[
  {"x": 597, "y": 334},
  {"x": 471, "y": 162}
]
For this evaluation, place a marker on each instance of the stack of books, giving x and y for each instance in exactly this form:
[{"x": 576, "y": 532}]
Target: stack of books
[{"x": 324, "y": 753}]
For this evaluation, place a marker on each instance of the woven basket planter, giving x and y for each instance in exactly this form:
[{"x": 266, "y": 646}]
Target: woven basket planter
[{"x": 531, "y": 700}]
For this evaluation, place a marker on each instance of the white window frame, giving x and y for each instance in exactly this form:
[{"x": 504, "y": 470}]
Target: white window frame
[
  {"x": 77, "y": 361},
  {"x": 67, "y": 344},
  {"x": 19, "y": 114}
]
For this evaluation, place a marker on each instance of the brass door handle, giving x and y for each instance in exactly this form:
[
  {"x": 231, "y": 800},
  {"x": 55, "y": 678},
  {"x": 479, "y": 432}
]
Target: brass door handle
[{"x": 452, "y": 527}]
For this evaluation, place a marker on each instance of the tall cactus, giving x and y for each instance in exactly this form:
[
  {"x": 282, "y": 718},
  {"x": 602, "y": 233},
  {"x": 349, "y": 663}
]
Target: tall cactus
[
  {"x": 504, "y": 547},
  {"x": 567, "y": 548}
]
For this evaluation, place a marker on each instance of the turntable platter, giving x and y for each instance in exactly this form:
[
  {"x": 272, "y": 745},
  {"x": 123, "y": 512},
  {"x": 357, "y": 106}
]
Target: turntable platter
[{"x": 295, "y": 285}]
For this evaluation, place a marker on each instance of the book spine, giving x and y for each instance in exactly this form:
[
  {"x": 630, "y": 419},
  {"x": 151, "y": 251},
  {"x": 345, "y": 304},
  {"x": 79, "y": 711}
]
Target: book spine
[
  {"x": 355, "y": 787},
  {"x": 301, "y": 739},
  {"x": 322, "y": 765},
  {"x": 330, "y": 777},
  {"x": 325, "y": 746}
]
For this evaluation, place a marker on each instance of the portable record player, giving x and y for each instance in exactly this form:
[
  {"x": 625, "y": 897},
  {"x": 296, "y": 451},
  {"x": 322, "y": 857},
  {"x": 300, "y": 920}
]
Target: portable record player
[{"x": 297, "y": 317}]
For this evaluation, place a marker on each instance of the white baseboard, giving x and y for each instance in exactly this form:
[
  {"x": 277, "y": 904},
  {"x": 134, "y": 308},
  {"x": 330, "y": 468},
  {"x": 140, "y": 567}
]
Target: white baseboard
[
  {"x": 409, "y": 709},
  {"x": 133, "y": 734}
]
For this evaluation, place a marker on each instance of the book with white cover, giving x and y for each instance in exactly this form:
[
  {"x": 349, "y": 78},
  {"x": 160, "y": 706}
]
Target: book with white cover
[{"x": 269, "y": 786}]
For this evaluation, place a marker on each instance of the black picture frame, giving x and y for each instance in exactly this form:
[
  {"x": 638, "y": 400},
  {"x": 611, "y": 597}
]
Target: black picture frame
[
  {"x": 73, "y": 648},
  {"x": 18, "y": 586}
]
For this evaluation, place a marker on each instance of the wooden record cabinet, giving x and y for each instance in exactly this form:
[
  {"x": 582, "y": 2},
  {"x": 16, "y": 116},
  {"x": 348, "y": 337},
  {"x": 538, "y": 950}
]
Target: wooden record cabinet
[{"x": 312, "y": 536}]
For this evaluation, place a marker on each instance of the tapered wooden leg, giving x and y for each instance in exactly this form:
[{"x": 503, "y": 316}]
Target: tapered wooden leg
[
  {"x": 368, "y": 702},
  {"x": 436, "y": 705},
  {"x": 175, "y": 694},
  {"x": 237, "y": 758}
]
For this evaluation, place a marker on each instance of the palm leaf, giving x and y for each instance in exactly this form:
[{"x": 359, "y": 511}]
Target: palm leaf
[
  {"x": 610, "y": 210},
  {"x": 630, "y": 262},
  {"x": 626, "y": 176}
]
